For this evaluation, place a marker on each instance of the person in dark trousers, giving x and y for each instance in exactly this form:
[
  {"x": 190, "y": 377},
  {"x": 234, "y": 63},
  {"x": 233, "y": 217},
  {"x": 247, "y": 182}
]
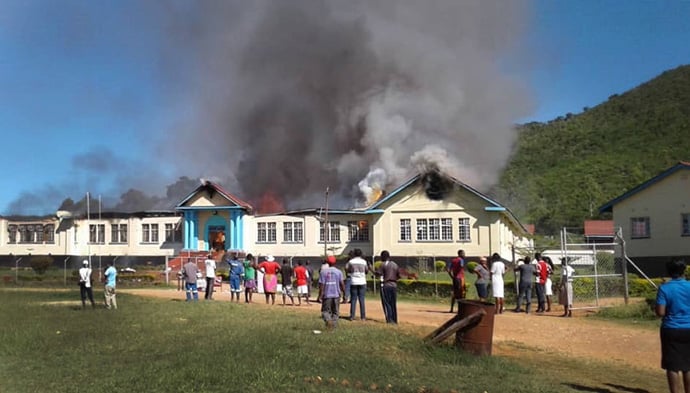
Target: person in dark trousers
[
  {"x": 456, "y": 270},
  {"x": 85, "y": 288},
  {"x": 673, "y": 306},
  {"x": 390, "y": 272},
  {"x": 331, "y": 288},
  {"x": 527, "y": 271},
  {"x": 358, "y": 268}
]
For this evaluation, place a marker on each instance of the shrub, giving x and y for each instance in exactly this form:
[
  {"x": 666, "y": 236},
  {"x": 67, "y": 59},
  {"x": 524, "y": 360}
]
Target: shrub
[
  {"x": 41, "y": 263},
  {"x": 440, "y": 265},
  {"x": 471, "y": 266}
]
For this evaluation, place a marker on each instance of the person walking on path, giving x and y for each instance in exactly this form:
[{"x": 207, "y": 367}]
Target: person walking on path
[
  {"x": 302, "y": 281},
  {"x": 527, "y": 271},
  {"x": 482, "y": 283},
  {"x": 331, "y": 289},
  {"x": 565, "y": 297},
  {"x": 498, "y": 270},
  {"x": 390, "y": 272},
  {"x": 286, "y": 273},
  {"x": 673, "y": 306},
  {"x": 456, "y": 271},
  {"x": 357, "y": 268},
  {"x": 85, "y": 288},
  {"x": 110, "y": 284},
  {"x": 249, "y": 278},
  {"x": 270, "y": 269},
  {"x": 189, "y": 272},
  {"x": 210, "y": 265},
  {"x": 312, "y": 279}
]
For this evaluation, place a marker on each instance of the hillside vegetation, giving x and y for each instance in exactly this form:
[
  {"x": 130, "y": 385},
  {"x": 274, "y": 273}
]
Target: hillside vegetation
[{"x": 563, "y": 170}]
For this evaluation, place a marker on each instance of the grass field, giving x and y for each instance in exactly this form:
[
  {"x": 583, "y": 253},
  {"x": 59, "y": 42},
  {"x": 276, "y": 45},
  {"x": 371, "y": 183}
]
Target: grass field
[{"x": 49, "y": 344}]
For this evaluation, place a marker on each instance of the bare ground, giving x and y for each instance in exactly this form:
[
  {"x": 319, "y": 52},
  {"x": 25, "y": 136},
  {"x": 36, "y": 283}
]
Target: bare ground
[{"x": 578, "y": 337}]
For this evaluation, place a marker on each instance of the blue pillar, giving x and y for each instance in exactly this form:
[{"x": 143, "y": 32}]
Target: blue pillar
[
  {"x": 195, "y": 228},
  {"x": 186, "y": 230},
  {"x": 233, "y": 229},
  {"x": 240, "y": 230}
]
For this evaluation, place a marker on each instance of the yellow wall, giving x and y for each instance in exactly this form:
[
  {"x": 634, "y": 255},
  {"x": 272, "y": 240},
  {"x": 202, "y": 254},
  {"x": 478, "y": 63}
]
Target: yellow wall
[{"x": 663, "y": 202}]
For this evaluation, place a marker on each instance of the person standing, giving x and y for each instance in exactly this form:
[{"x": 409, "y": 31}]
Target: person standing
[
  {"x": 235, "y": 274},
  {"x": 286, "y": 273},
  {"x": 482, "y": 283},
  {"x": 390, "y": 272},
  {"x": 189, "y": 272},
  {"x": 270, "y": 269},
  {"x": 527, "y": 271},
  {"x": 542, "y": 275},
  {"x": 302, "y": 281},
  {"x": 565, "y": 297},
  {"x": 348, "y": 281},
  {"x": 498, "y": 270},
  {"x": 673, "y": 306},
  {"x": 85, "y": 288},
  {"x": 249, "y": 278},
  {"x": 456, "y": 271},
  {"x": 357, "y": 268},
  {"x": 331, "y": 288},
  {"x": 312, "y": 279},
  {"x": 548, "y": 288},
  {"x": 110, "y": 284},
  {"x": 210, "y": 265}
]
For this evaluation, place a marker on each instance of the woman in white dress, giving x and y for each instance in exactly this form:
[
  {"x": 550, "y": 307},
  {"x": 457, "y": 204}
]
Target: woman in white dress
[{"x": 498, "y": 269}]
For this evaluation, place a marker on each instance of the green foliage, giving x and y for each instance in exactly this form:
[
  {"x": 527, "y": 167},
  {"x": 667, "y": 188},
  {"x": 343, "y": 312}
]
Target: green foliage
[
  {"x": 563, "y": 170},
  {"x": 471, "y": 266},
  {"x": 41, "y": 263},
  {"x": 440, "y": 265},
  {"x": 640, "y": 287}
]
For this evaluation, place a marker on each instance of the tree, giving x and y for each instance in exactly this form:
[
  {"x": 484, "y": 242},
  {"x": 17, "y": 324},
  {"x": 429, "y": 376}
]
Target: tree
[{"x": 41, "y": 263}]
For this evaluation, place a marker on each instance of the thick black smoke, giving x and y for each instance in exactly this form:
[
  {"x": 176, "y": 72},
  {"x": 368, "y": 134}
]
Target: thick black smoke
[{"x": 296, "y": 96}]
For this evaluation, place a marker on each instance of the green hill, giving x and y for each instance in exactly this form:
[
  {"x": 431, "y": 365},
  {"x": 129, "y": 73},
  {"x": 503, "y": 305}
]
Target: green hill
[{"x": 563, "y": 170}]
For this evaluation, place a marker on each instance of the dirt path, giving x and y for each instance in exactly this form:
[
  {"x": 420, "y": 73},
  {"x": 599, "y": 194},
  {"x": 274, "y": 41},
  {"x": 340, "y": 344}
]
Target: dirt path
[{"x": 579, "y": 336}]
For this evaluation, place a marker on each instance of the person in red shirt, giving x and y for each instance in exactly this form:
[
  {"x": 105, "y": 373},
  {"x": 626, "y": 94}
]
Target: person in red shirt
[
  {"x": 542, "y": 276},
  {"x": 270, "y": 269},
  {"x": 302, "y": 278},
  {"x": 456, "y": 271}
]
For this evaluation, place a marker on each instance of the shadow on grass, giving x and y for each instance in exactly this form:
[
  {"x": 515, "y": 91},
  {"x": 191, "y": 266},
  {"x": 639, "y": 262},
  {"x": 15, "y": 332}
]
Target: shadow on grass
[{"x": 619, "y": 388}]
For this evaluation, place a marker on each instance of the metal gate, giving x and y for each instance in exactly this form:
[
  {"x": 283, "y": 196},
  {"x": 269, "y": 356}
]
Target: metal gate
[{"x": 600, "y": 277}]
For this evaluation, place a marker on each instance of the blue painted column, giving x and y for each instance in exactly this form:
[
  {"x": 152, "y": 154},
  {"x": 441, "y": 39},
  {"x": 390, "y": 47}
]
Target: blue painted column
[
  {"x": 233, "y": 230},
  {"x": 195, "y": 229},
  {"x": 186, "y": 231},
  {"x": 240, "y": 230}
]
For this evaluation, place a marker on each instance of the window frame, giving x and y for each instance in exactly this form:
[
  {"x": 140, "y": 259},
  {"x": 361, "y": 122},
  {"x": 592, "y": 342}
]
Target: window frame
[
  {"x": 405, "y": 229},
  {"x": 464, "y": 228},
  {"x": 647, "y": 229}
]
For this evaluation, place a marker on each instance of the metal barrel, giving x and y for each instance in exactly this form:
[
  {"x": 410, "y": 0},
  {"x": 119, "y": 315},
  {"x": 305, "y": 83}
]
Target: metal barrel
[{"x": 477, "y": 340}]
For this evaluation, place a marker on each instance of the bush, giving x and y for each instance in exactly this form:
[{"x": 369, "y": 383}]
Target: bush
[
  {"x": 440, "y": 265},
  {"x": 41, "y": 263}
]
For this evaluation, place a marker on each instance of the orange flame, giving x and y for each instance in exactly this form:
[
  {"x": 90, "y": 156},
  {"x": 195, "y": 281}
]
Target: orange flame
[
  {"x": 270, "y": 203},
  {"x": 374, "y": 196}
]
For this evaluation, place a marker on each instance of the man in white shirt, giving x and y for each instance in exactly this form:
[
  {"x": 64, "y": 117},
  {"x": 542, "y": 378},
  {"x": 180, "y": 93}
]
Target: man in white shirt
[
  {"x": 210, "y": 264},
  {"x": 357, "y": 268},
  {"x": 85, "y": 284}
]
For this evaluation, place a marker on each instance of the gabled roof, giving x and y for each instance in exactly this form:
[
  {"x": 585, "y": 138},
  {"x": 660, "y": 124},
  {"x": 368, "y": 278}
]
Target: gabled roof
[
  {"x": 212, "y": 187},
  {"x": 491, "y": 204},
  {"x": 608, "y": 206},
  {"x": 599, "y": 228}
]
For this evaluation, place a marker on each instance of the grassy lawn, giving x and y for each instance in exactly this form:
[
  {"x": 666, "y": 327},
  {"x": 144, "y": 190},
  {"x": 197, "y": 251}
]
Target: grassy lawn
[{"x": 151, "y": 345}]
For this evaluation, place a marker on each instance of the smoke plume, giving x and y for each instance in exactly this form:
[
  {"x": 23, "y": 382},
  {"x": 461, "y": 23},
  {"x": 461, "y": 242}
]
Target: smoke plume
[{"x": 291, "y": 97}]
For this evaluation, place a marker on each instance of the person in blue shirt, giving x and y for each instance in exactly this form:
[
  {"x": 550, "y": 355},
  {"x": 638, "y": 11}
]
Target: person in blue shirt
[
  {"x": 235, "y": 274},
  {"x": 673, "y": 306},
  {"x": 110, "y": 283}
]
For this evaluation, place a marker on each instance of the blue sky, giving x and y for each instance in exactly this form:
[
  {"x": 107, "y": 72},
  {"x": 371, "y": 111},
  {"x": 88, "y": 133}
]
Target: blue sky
[{"x": 81, "y": 85}]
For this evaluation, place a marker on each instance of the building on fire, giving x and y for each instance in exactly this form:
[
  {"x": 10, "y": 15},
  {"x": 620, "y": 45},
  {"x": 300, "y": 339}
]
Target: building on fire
[{"x": 424, "y": 219}]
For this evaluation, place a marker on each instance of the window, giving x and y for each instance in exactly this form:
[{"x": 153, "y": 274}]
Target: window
[
  {"x": 447, "y": 229},
  {"x": 293, "y": 232},
  {"x": 422, "y": 229},
  {"x": 149, "y": 233},
  {"x": 639, "y": 228},
  {"x": 97, "y": 233},
  {"x": 173, "y": 233},
  {"x": 358, "y": 231},
  {"x": 333, "y": 232},
  {"x": 49, "y": 233},
  {"x": 405, "y": 230},
  {"x": 118, "y": 233},
  {"x": 685, "y": 224},
  {"x": 266, "y": 232},
  {"x": 464, "y": 229},
  {"x": 12, "y": 229}
]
